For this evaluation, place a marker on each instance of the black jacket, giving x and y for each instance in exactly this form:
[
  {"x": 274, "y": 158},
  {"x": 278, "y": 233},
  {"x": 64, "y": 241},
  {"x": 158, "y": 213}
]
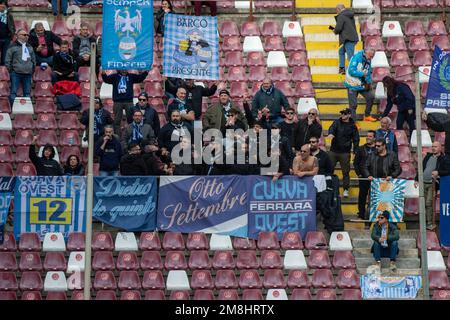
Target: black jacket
[
  {"x": 63, "y": 66},
  {"x": 10, "y": 29},
  {"x": 403, "y": 98},
  {"x": 44, "y": 167},
  {"x": 105, "y": 119},
  {"x": 441, "y": 123},
  {"x": 131, "y": 79},
  {"x": 154, "y": 164},
  {"x": 361, "y": 155},
  {"x": 287, "y": 130},
  {"x": 78, "y": 171},
  {"x": 165, "y": 135},
  {"x": 159, "y": 25},
  {"x": 110, "y": 157},
  {"x": 442, "y": 166},
  {"x": 325, "y": 165},
  {"x": 50, "y": 39},
  {"x": 303, "y": 132},
  {"x": 345, "y": 134},
  {"x": 133, "y": 165},
  {"x": 391, "y": 166},
  {"x": 77, "y": 42},
  {"x": 346, "y": 27},
  {"x": 150, "y": 117}
]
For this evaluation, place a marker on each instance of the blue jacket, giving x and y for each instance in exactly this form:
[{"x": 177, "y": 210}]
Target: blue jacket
[
  {"x": 110, "y": 157},
  {"x": 403, "y": 98},
  {"x": 131, "y": 79},
  {"x": 389, "y": 137},
  {"x": 354, "y": 77}
]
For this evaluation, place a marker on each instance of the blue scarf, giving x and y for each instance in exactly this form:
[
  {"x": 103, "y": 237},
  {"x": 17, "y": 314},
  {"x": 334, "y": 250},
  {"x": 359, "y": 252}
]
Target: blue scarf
[
  {"x": 268, "y": 91},
  {"x": 181, "y": 104},
  {"x": 97, "y": 121},
  {"x": 122, "y": 87},
  {"x": 4, "y": 16},
  {"x": 137, "y": 134},
  {"x": 65, "y": 56}
]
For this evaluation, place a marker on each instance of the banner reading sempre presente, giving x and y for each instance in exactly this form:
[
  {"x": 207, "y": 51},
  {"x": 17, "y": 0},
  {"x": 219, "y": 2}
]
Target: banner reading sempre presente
[
  {"x": 444, "y": 222},
  {"x": 285, "y": 205},
  {"x": 49, "y": 204},
  {"x": 127, "y": 41},
  {"x": 191, "y": 47},
  {"x": 210, "y": 204},
  {"x": 438, "y": 92},
  {"x": 387, "y": 195},
  {"x": 128, "y": 203}
]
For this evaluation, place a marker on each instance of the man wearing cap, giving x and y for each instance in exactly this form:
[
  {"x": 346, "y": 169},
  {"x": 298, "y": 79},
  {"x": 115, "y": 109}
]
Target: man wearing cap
[
  {"x": 102, "y": 117},
  {"x": 385, "y": 238},
  {"x": 219, "y": 117},
  {"x": 150, "y": 115},
  {"x": 268, "y": 103},
  {"x": 344, "y": 134}
]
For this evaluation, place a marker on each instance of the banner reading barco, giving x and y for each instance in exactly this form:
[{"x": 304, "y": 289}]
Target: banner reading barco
[
  {"x": 191, "y": 47},
  {"x": 285, "y": 205},
  {"x": 127, "y": 35},
  {"x": 128, "y": 203},
  {"x": 210, "y": 204}
]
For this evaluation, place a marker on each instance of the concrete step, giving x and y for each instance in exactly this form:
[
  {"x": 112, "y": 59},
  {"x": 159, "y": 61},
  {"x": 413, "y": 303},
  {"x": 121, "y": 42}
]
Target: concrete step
[
  {"x": 327, "y": 78},
  {"x": 331, "y": 93},
  {"x": 334, "y": 109},
  {"x": 404, "y": 243},
  {"x": 364, "y": 125},
  {"x": 330, "y": 62},
  {"x": 402, "y": 263},
  {"x": 326, "y": 70},
  {"x": 315, "y": 20},
  {"x": 321, "y": 37},
  {"x": 323, "y": 54},
  {"x": 320, "y": 28},
  {"x": 404, "y": 253},
  {"x": 406, "y": 234},
  {"x": 327, "y": 45}
]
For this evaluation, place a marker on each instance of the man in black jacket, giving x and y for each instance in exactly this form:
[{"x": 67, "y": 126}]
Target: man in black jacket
[
  {"x": 307, "y": 128},
  {"x": 133, "y": 164},
  {"x": 175, "y": 129},
  {"x": 181, "y": 104},
  {"x": 45, "y": 165},
  {"x": 288, "y": 125},
  {"x": 151, "y": 156},
  {"x": 42, "y": 42},
  {"x": 64, "y": 64},
  {"x": 361, "y": 156},
  {"x": 7, "y": 29},
  {"x": 440, "y": 123},
  {"x": 102, "y": 117},
  {"x": 109, "y": 150},
  {"x": 325, "y": 166},
  {"x": 382, "y": 164},
  {"x": 82, "y": 46},
  {"x": 344, "y": 134},
  {"x": 196, "y": 93}
]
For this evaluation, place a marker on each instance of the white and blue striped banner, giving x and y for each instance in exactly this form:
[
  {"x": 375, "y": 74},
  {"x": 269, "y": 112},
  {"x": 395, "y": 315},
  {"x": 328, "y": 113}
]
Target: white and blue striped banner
[
  {"x": 374, "y": 286},
  {"x": 49, "y": 204},
  {"x": 387, "y": 195}
]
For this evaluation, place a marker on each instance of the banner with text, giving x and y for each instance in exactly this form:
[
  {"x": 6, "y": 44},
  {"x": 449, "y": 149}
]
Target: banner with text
[
  {"x": 387, "y": 195},
  {"x": 438, "y": 92},
  {"x": 128, "y": 203},
  {"x": 127, "y": 35},
  {"x": 191, "y": 47},
  {"x": 444, "y": 222},
  {"x": 49, "y": 204},
  {"x": 210, "y": 204},
  {"x": 374, "y": 286},
  {"x": 285, "y": 205},
  {"x": 6, "y": 190}
]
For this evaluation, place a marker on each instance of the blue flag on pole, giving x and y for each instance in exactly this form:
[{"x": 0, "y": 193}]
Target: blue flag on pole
[
  {"x": 444, "y": 223},
  {"x": 438, "y": 93},
  {"x": 191, "y": 47},
  {"x": 127, "y": 35}
]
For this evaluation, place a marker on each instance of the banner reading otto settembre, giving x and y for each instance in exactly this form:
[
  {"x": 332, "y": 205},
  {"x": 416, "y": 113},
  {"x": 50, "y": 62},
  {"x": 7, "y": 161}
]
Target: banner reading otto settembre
[
  {"x": 438, "y": 92},
  {"x": 387, "y": 195},
  {"x": 191, "y": 47},
  {"x": 127, "y": 35}
]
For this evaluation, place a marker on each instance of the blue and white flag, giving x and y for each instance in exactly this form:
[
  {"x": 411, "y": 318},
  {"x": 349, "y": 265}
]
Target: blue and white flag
[
  {"x": 374, "y": 286},
  {"x": 387, "y": 195},
  {"x": 438, "y": 92},
  {"x": 285, "y": 205},
  {"x": 191, "y": 47},
  {"x": 444, "y": 222},
  {"x": 209, "y": 204},
  {"x": 128, "y": 203},
  {"x": 127, "y": 41},
  {"x": 49, "y": 204}
]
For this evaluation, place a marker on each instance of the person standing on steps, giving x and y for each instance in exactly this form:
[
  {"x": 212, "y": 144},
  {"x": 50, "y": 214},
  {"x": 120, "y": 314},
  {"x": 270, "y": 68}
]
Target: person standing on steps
[
  {"x": 385, "y": 238},
  {"x": 348, "y": 36}
]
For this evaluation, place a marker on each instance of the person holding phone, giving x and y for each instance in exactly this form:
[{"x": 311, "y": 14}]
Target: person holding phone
[{"x": 42, "y": 42}]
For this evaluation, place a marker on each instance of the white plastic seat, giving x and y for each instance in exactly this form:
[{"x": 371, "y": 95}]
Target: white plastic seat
[
  {"x": 276, "y": 294},
  {"x": 305, "y": 104},
  {"x": 424, "y": 74},
  {"x": 392, "y": 29},
  {"x": 5, "y": 122},
  {"x": 379, "y": 91},
  {"x": 276, "y": 59},
  {"x": 106, "y": 91},
  {"x": 22, "y": 105},
  {"x": 126, "y": 241},
  {"x": 220, "y": 242},
  {"x": 54, "y": 241},
  {"x": 340, "y": 241},
  {"x": 55, "y": 281},
  {"x": 76, "y": 262},
  {"x": 292, "y": 29},
  {"x": 362, "y": 4},
  {"x": 252, "y": 44},
  {"x": 177, "y": 280},
  {"x": 410, "y": 190},
  {"x": 433, "y": 110},
  {"x": 426, "y": 139},
  {"x": 44, "y": 23},
  {"x": 243, "y": 4},
  {"x": 84, "y": 141},
  {"x": 435, "y": 261},
  {"x": 55, "y": 157},
  {"x": 380, "y": 60},
  {"x": 294, "y": 260}
]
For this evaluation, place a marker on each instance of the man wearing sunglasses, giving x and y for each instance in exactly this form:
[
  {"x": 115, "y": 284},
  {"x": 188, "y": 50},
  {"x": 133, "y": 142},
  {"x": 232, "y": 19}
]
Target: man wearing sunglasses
[
  {"x": 382, "y": 164},
  {"x": 307, "y": 128},
  {"x": 385, "y": 238},
  {"x": 288, "y": 125},
  {"x": 325, "y": 167},
  {"x": 150, "y": 115}
]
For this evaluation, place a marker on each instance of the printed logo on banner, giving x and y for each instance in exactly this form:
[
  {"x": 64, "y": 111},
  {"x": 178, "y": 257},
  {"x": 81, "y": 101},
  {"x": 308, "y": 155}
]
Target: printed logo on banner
[
  {"x": 387, "y": 195},
  {"x": 285, "y": 205},
  {"x": 438, "y": 92},
  {"x": 191, "y": 47},
  {"x": 444, "y": 222},
  {"x": 49, "y": 204},
  {"x": 374, "y": 286},
  {"x": 128, "y": 203}
]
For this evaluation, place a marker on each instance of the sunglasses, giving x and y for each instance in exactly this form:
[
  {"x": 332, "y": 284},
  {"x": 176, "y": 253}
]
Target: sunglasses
[
  {"x": 312, "y": 114},
  {"x": 289, "y": 113},
  {"x": 312, "y": 141},
  {"x": 142, "y": 99}
]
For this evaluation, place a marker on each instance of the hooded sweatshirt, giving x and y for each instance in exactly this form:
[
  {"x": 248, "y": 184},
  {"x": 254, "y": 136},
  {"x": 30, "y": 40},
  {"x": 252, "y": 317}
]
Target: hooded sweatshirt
[
  {"x": 45, "y": 167},
  {"x": 345, "y": 27}
]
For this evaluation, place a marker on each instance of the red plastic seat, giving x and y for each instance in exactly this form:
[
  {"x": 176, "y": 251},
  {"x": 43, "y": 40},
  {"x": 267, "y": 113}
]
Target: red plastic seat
[
  {"x": 84, "y": 74},
  {"x": 301, "y": 74},
  {"x": 405, "y": 3},
  {"x": 294, "y": 44},
  {"x": 42, "y": 75},
  {"x": 237, "y": 74},
  {"x": 4, "y": 89},
  {"x": 104, "y": 280},
  {"x": 301, "y": 294},
  {"x": 343, "y": 260},
  {"x": 154, "y": 89},
  {"x": 400, "y": 58},
  {"x": 426, "y": 3},
  {"x": 238, "y": 89},
  {"x": 432, "y": 242},
  {"x": 323, "y": 278},
  {"x": 6, "y": 138},
  {"x": 60, "y": 28},
  {"x": 173, "y": 241},
  {"x": 23, "y": 121},
  {"x": 175, "y": 260},
  {"x": 246, "y": 259},
  {"x": 44, "y": 105},
  {"x": 298, "y": 279},
  {"x": 225, "y": 279},
  {"x": 436, "y": 28},
  {"x": 374, "y": 42},
  {"x": 8, "y": 281},
  {"x": 280, "y": 74},
  {"x": 257, "y": 73},
  {"x": 69, "y": 138},
  {"x": 326, "y": 294},
  {"x": 20, "y": 24},
  {"x": 271, "y": 259},
  {"x": 379, "y": 73},
  {"x": 46, "y": 121},
  {"x": 130, "y": 295},
  {"x": 347, "y": 279},
  {"x": 179, "y": 295},
  {"x": 31, "y": 295},
  {"x": 250, "y": 28},
  {"x": 149, "y": 241},
  {"x": 233, "y": 58},
  {"x": 318, "y": 259},
  {"x": 438, "y": 280},
  {"x": 418, "y": 43},
  {"x": 252, "y": 294},
  {"x": 199, "y": 260},
  {"x": 250, "y": 279},
  {"x": 273, "y": 43},
  {"x": 31, "y": 280},
  {"x": 103, "y": 260},
  {"x": 151, "y": 260},
  {"x": 408, "y": 171},
  {"x": 4, "y": 105},
  {"x": 98, "y": 28},
  {"x": 414, "y": 28},
  {"x": 369, "y": 28},
  {"x": 153, "y": 280},
  {"x": 55, "y": 261},
  {"x": 440, "y": 41},
  {"x": 106, "y": 295},
  {"x": 102, "y": 241},
  {"x": 315, "y": 240},
  {"x": 8, "y": 261},
  {"x": 76, "y": 241},
  {"x": 228, "y": 28},
  {"x": 29, "y": 241},
  {"x": 43, "y": 89},
  {"x": 304, "y": 89},
  {"x": 441, "y": 295},
  {"x": 256, "y": 59},
  {"x": 68, "y": 121},
  {"x": 7, "y": 295},
  {"x": 129, "y": 280},
  {"x": 9, "y": 242},
  {"x": 351, "y": 294},
  {"x": 25, "y": 169},
  {"x": 127, "y": 261},
  {"x": 56, "y": 295},
  {"x": 292, "y": 241},
  {"x": 404, "y": 73},
  {"x": 6, "y": 154},
  {"x": 268, "y": 240},
  {"x": 404, "y": 154},
  {"x": 202, "y": 279},
  {"x": 154, "y": 295},
  {"x": 411, "y": 206},
  {"x": 270, "y": 28},
  {"x": 244, "y": 244},
  {"x": 228, "y": 294},
  {"x": 297, "y": 58},
  {"x": 396, "y": 44},
  {"x": 232, "y": 43},
  {"x": 47, "y": 137},
  {"x": 154, "y": 75},
  {"x": 274, "y": 279},
  {"x": 77, "y": 295},
  {"x": 422, "y": 58}
]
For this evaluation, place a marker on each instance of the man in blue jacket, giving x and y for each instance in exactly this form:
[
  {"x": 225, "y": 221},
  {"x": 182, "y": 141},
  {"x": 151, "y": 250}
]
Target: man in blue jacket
[
  {"x": 358, "y": 80},
  {"x": 109, "y": 150},
  {"x": 268, "y": 103}
]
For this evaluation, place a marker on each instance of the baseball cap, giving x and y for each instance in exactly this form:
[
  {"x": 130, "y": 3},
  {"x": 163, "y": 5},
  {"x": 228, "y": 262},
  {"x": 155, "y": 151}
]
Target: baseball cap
[{"x": 346, "y": 111}]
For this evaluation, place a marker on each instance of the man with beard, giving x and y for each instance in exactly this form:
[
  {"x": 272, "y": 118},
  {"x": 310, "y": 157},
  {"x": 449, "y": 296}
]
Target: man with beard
[
  {"x": 171, "y": 134},
  {"x": 133, "y": 164},
  {"x": 307, "y": 128},
  {"x": 325, "y": 166},
  {"x": 150, "y": 115},
  {"x": 181, "y": 104},
  {"x": 138, "y": 130}
]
